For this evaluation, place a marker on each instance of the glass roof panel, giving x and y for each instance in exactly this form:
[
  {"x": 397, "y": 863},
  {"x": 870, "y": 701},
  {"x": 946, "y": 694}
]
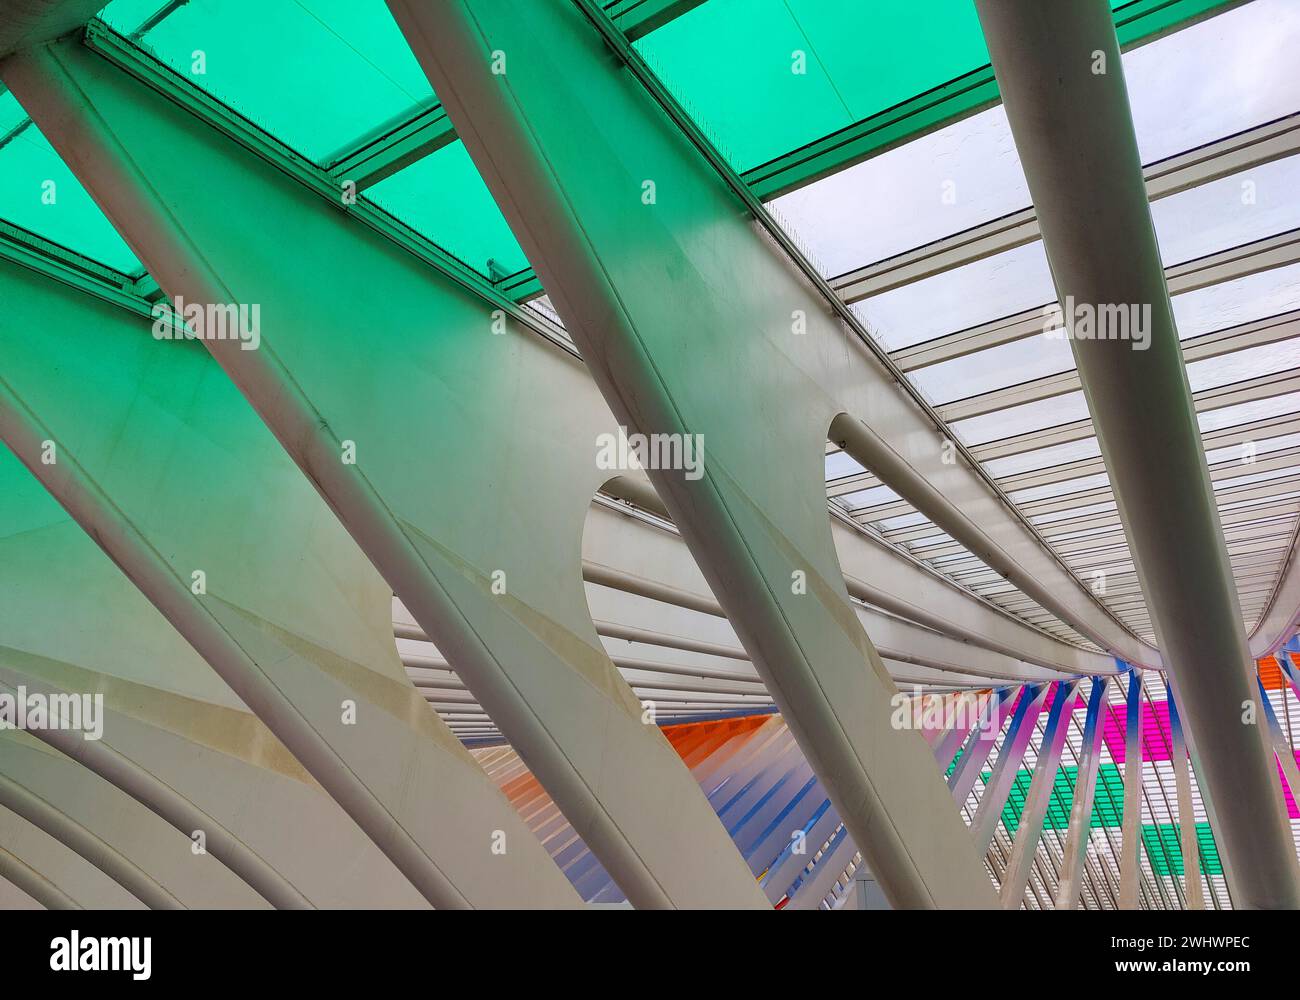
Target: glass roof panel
[
  {"x": 1043, "y": 458},
  {"x": 1250, "y": 363},
  {"x": 442, "y": 197},
  {"x": 1263, "y": 446},
  {"x": 840, "y": 464},
  {"x": 936, "y": 185},
  {"x": 1004, "y": 365},
  {"x": 1226, "y": 74},
  {"x": 1228, "y": 212},
  {"x": 39, "y": 193},
  {"x": 968, "y": 173},
  {"x": 963, "y": 297},
  {"x": 1241, "y": 413},
  {"x": 733, "y": 63},
  {"x": 1231, "y": 303},
  {"x": 1020, "y": 419},
  {"x": 1204, "y": 310},
  {"x": 314, "y": 73},
  {"x": 1060, "y": 489},
  {"x": 868, "y": 498}
]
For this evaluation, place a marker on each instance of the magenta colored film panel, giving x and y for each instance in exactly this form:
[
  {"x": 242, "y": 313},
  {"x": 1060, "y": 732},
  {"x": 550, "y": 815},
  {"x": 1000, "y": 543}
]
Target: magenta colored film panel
[{"x": 1155, "y": 731}]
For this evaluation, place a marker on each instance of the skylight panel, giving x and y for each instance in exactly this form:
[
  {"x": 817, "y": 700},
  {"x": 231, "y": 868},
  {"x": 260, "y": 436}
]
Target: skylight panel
[
  {"x": 1246, "y": 364},
  {"x": 1042, "y": 458},
  {"x": 1262, "y": 447},
  {"x": 1231, "y": 303},
  {"x": 1022, "y": 419},
  {"x": 316, "y": 74},
  {"x": 987, "y": 289},
  {"x": 736, "y": 65},
  {"x": 840, "y": 464},
  {"x": 968, "y": 172},
  {"x": 996, "y": 368},
  {"x": 39, "y": 193},
  {"x": 938, "y": 184},
  {"x": 1242, "y": 413},
  {"x": 1228, "y": 212},
  {"x": 1063, "y": 488},
  {"x": 442, "y": 197},
  {"x": 1216, "y": 78}
]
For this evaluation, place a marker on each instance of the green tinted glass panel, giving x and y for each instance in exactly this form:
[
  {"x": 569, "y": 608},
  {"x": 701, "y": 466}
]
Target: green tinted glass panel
[
  {"x": 1108, "y": 800},
  {"x": 317, "y": 74},
  {"x": 40, "y": 194},
  {"x": 1107, "y": 804},
  {"x": 764, "y": 77},
  {"x": 443, "y": 198},
  {"x": 1165, "y": 853}
]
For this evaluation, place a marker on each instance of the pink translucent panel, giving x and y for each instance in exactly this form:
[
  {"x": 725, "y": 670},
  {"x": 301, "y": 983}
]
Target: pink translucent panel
[
  {"x": 1291, "y": 809},
  {"x": 1155, "y": 731}
]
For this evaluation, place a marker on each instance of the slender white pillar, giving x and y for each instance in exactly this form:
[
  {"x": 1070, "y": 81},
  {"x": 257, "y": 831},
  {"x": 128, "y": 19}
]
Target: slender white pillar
[
  {"x": 1061, "y": 77},
  {"x": 1131, "y": 830},
  {"x": 1074, "y": 854}
]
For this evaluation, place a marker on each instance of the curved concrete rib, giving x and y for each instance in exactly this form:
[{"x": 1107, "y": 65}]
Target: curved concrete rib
[
  {"x": 28, "y": 880},
  {"x": 164, "y": 801},
  {"x": 691, "y": 324},
  {"x": 1062, "y": 82},
  {"x": 66, "y": 855},
  {"x": 62, "y": 866},
  {"x": 11, "y": 896},
  {"x": 195, "y": 879},
  {"x": 161, "y": 462},
  {"x": 487, "y": 559},
  {"x": 22, "y": 801},
  {"x": 625, "y": 553},
  {"x": 1282, "y": 617},
  {"x": 71, "y": 622},
  {"x": 899, "y": 584}
]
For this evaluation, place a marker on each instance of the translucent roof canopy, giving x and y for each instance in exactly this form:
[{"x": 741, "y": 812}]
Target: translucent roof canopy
[
  {"x": 765, "y": 77},
  {"x": 40, "y": 194},
  {"x": 316, "y": 74}
]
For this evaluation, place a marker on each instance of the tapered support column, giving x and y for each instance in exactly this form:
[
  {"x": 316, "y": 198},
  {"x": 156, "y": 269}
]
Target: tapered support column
[
  {"x": 1085, "y": 789},
  {"x": 1131, "y": 831},
  {"x": 465, "y": 477},
  {"x": 1193, "y": 892},
  {"x": 690, "y": 324},
  {"x": 1062, "y": 82},
  {"x": 988, "y": 814},
  {"x": 1039, "y": 797}
]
